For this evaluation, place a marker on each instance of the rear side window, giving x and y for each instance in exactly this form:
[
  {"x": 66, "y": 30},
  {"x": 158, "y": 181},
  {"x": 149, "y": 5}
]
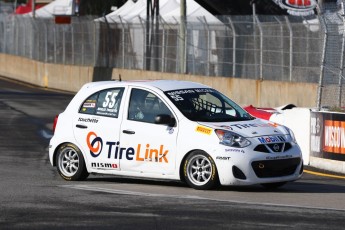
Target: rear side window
[{"x": 103, "y": 103}]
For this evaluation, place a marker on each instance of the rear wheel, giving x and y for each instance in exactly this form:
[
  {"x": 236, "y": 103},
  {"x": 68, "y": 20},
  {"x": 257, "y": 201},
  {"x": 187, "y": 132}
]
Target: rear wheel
[
  {"x": 70, "y": 163},
  {"x": 200, "y": 171}
]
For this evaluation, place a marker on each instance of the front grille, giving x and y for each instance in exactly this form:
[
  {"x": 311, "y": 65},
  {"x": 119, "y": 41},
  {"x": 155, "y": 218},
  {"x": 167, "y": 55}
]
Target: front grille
[
  {"x": 275, "y": 148},
  {"x": 275, "y": 168},
  {"x": 278, "y": 147}
]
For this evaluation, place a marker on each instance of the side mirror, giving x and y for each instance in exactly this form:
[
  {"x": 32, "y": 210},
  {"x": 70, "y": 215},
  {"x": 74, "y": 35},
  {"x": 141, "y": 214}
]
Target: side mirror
[{"x": 165, "y": 119}]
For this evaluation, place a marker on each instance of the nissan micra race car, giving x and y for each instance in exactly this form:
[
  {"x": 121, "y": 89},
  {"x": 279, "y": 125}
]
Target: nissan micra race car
[{"x": 173, "y": 130}]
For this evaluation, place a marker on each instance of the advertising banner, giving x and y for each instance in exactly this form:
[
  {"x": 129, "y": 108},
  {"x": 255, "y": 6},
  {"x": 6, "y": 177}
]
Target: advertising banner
[{"x": 328, "y": 135}]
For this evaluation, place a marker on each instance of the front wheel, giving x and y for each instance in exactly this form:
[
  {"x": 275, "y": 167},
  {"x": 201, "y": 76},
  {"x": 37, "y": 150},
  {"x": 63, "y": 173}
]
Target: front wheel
[
  {"x": 200, "y": 171},
  {"x": 70, "y": 163}
]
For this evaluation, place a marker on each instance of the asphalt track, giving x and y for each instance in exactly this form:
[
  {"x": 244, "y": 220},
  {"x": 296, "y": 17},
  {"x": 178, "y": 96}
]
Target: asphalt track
[{"x": 33, "y": 196}]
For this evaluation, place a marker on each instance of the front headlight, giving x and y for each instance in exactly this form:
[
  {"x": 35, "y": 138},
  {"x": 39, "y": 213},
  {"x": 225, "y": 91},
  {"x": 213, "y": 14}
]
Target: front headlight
[
  {"x": 291, "y": 134},
  {"x": 231, "y": 139}
]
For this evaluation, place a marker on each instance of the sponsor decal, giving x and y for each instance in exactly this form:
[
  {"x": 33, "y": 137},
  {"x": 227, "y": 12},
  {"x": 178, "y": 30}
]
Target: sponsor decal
[
  {"x": 279, "y": 157},
  {"x": 223, "y": 158},
  {"x": 271, "y": 139},
  {"x": 246, "y": 126},
  {"x": 225, "y": 127},
  {"x": 334, "y": 136},
  {"x": 204, "y": 130},
  {"x": 95, "y": 145},
  {"x": 116, "y": 151},
  {"x": 315, "y": 131},
  {"x": 89, "y": 120},
  {"x": 171, "y": 130},
  {"x": 178, "y": 94},
  {"x": 298, "y": 7},
  {"x": 104, "y": 165},
  {"x": 235, "y": 150},
  {"x": 89, "y": 105}
]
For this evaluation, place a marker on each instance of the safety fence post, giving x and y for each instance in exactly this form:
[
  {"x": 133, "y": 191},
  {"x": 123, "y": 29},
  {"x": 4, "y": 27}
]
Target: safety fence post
[
  {"x": 261, "y": 48},
  {"x": 291, "y": 47},
  {"x": 233, "y": 47},
  {"x": 320, "y": 86}
]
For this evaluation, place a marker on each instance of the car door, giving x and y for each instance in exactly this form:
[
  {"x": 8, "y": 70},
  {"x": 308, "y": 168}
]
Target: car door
[
  {"x": 97, "y": 128},
  {"x": 154, "y": 144}
]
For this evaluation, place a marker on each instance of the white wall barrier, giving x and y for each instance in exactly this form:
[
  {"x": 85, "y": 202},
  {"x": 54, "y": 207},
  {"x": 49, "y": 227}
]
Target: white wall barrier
[{"x": 321, "y": 136}]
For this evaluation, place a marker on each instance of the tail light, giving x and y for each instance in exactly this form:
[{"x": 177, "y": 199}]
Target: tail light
[{"x": 55, "y": 122}]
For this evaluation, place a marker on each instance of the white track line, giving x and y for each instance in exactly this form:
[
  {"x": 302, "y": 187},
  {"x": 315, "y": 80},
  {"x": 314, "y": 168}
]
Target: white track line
[{"x": 133, "y": 193}]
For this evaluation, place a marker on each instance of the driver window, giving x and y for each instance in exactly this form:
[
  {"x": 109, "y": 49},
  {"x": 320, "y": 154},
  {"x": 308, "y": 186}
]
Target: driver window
[{"x": 145, "y": 106}]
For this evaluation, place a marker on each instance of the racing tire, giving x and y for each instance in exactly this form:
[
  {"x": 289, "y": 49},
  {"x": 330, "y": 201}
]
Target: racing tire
[
  {"x": 200, "y": 171},
  {"x": 70, "y": 163},
  {"x": 271, "y": 186}
]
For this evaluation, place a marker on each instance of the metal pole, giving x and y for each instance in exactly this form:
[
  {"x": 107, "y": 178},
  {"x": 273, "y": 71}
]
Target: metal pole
[
  {"x": 183, "y": 10},
  {"x": 73, "y": 46},
  {"x": 63, "y": 45},
  {"x": 291, "y": 49},
  {"x": 55, "y": 45},
  {"x": 156, "y": 36},
  {"x": 123, "y": 43},
  {"x": 281, "y": 47},
  {"x": 319, "y": 93},
  {"x": 16, "y": 44},
  {"x": 82, "y": 44},
  {"x": 143, "y": 51},
  {"x": 254, "y": 36},
  {"x": 163, "y": 48},
  {"x": 148, "y": 50},
  {"x": 96, "y": 43},
  {"x": 208, "y": 39},
  {"x": 233, "y": 47},
  {"x": 46, "y": 58},
  {"x": 261, "y": 48},
  {"x": 33, "y": 7}
]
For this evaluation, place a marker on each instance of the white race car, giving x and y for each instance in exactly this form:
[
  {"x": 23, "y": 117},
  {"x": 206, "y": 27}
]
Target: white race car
[{"x": 173, "y": 130}]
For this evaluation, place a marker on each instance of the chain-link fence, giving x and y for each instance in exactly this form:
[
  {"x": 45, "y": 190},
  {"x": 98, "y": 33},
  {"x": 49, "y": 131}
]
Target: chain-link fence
[
  {"x": 279, "y": 48},
  {"x": 331, "y": 84}
]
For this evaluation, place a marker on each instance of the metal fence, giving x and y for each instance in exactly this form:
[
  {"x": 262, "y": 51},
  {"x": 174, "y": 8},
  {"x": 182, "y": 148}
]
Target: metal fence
[
  {"x": 281, "y": 48},
  {"x": 331, "y": 84}
]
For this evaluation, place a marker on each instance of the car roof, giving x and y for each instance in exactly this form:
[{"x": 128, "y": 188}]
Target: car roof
[{"x": 164, "y": 85}]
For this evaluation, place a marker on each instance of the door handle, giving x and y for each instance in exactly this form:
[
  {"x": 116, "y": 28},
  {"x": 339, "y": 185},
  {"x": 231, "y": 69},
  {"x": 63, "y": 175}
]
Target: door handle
[
  {"x": 128, "y": 132},
  {"x": 81, "y": 126}
]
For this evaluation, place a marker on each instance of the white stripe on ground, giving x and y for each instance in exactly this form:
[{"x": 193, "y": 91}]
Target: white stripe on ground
[{"x": 133, "y": 193}]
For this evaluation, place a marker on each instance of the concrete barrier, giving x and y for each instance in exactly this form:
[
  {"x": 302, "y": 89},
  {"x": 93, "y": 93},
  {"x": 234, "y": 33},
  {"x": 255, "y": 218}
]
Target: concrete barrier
[{"x": 243, "y": 91}]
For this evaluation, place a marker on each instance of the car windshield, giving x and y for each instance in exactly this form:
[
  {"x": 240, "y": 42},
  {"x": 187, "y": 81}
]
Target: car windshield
[{"x": 208, "y": 105}]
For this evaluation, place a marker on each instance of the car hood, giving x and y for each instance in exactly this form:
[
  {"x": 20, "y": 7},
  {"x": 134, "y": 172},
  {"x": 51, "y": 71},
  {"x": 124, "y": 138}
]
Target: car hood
[{"x": 250, "y": 128}]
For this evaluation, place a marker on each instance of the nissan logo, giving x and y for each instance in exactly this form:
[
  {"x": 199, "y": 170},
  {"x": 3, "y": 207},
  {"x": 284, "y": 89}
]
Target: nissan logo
[{"x": 276, "y": 147}]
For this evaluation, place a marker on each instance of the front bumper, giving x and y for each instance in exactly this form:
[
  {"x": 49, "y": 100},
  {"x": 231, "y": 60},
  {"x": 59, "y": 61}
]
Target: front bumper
[{"x": 251, "y": 167}]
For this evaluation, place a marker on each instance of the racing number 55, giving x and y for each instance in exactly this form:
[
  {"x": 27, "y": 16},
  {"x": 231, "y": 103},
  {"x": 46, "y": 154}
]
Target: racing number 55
[{"x": 109, "y": 100}]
